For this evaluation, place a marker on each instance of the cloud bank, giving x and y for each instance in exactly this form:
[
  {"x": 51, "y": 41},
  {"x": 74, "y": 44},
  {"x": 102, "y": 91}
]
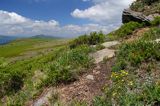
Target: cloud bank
[
  {"x": 13, "y": 24},
  {"x": 105, "y": 15},
  {"x": 103, "y": 11}
]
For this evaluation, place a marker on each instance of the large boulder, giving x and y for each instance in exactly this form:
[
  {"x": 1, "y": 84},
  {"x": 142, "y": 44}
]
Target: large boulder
[{"x": 130, "y": 15}]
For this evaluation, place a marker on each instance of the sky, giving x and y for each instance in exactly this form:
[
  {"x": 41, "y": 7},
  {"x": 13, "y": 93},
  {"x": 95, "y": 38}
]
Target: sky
[{"x": 61, "y": 18}]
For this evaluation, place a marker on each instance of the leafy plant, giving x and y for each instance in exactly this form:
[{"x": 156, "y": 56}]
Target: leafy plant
[
  {"x": 138, "y": 52},
  {"x": 156, "y": 21},
  {"x": 67, "y": 65},
  {"x": 92, "y": 39},
  {"x": 152, "y": 34},
  {"x": 125, "y": 30}
]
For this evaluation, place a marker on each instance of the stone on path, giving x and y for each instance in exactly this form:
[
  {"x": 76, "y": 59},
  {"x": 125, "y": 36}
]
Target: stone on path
[
  {"x": 90, "y": 77},
  {"x": 157, "y": 40},
  {"x": 104, "y": 53},
  {"x": 111, "y": 43}
]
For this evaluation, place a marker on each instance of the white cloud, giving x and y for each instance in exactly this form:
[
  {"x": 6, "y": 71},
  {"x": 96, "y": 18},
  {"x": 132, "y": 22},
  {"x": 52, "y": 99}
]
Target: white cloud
[
  {"x": 13, "y": 24},
  {"x": 104, "y": 14},
  {"x": 103, "y": 11},
  {"x": 85, "y": 0}
]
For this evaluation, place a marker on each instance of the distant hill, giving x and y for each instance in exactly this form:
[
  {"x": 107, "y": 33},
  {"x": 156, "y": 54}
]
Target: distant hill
[
  {"x": 6, "y": 39},
  {"x": 45, "y": 36}
]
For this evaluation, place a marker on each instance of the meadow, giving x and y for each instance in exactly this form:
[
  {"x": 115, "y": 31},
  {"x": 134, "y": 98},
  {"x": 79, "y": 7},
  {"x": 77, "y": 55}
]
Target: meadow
[{"x": 20, "y": 46}]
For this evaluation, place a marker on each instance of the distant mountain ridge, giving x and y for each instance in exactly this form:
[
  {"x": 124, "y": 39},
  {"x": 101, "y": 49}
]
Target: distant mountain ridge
[
  {"x": 45, "y": 36},
  {"x": 6, "y": 39}
]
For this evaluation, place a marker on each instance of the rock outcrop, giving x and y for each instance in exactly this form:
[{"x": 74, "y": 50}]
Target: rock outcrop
[{"x": 130, "y": 15}]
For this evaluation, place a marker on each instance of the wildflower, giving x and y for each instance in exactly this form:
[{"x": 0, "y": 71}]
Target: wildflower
[
  {"x": 130, "y": 83},
  {"x": 124, "y": 72},
  {"x": 114, "y": 93},
  {"x": 158, "y": 82}
]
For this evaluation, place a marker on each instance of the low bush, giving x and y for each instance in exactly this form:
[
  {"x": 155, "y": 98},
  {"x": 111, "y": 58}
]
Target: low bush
[
  {"x": 3, "y": 62},
  {"x": 147, "y": 7},
  {"x": 152, "y": 34},
  {"x": 126, "y": 90},
  {"x": 10, "y": 82},
  {"x": 156, "y": 21},
  {"x": 92, "y": 39},
  {"x": 125, "y": 30},
  {"x": 137, "y": 52},
  {"x": 65, "y": 68}
]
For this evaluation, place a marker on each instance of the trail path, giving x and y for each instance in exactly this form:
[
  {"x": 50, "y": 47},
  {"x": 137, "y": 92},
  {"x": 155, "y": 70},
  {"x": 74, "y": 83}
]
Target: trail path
[{"x": 88, "y": 86}]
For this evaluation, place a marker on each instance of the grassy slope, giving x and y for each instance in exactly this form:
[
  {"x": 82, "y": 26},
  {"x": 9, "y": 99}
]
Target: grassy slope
[
  {"x": 20, "y": 46},
  {"x": 24, "y": 79}
]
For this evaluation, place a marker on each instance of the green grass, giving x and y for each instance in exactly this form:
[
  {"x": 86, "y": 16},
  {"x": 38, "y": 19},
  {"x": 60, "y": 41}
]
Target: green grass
[
  {"x": 92, "y": 39},
  {"x": 21, "y": 46},
  {"x": 152, "y": 34},
  {"x": 18, "y": 81},
  {"x": 125, "y": 30},
  {"x": 135, "y": 76},
  {"x": 156, "y": 21},
  {"x": 146, "y": 6}
]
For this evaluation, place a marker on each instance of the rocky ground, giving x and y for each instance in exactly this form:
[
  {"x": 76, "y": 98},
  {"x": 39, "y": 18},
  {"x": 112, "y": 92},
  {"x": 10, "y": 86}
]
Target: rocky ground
[{"x": 88, "y": 85}]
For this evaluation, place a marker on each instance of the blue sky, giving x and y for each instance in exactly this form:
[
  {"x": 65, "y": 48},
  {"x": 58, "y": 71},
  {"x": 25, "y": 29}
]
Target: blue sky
[
  {"x": 46, "y": 9},
  {"x": 65, "y": 18}
]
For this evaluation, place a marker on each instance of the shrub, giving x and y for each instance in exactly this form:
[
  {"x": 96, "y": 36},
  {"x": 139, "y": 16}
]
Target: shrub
[
  {"x": 10, "y": 82},
  {"x": 96, "y": 38},
  {"x": 137, "y": 52},
  {"x": 125, "y": 90},
  {"x": 152, "y": 34},
  {"x": 147, "y": 7},
  {"x": 92, "y": 39},
  {"x": 156, "y": 21},
  {"x": 3, "y": 62},
  {"x": 68, "y": 64},
  {"x": 149, "y": 2},
  {"x": 84, "y": 39},
  {"x": 125, "y": 30},
  {"x": 137, "y": 6}
]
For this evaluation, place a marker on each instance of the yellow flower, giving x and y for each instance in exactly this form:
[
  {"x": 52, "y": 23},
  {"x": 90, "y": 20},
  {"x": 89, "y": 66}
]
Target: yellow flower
[
  {"x": 114, "y": 94},
  {"x": 158, "y": 82},
  {"x": 130, "y": 83}
]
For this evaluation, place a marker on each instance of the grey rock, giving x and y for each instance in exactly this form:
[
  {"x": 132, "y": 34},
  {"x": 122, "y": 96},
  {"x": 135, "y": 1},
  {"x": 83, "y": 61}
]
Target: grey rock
[
  {"x": 90, "y": 77},
  {"x": 130, "y": 15}
]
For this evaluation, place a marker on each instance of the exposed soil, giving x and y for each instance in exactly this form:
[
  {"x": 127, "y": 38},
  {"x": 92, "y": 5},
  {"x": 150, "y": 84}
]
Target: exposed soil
[
  {"x": 83, "y": 89},
  {"x": 86, "y": 89},
  {"x": 88, "y": 86}
]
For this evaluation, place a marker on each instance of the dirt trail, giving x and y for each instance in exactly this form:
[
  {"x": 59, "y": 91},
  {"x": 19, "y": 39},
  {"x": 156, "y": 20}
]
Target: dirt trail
[{"x": 88, "y": 85}]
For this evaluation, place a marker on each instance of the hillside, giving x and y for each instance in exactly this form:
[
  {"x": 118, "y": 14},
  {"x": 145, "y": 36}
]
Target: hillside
[
  {"x": 25, "y": 45},
  {"x": 45, "y": 36},
  {"x": 121, "y": 68}
]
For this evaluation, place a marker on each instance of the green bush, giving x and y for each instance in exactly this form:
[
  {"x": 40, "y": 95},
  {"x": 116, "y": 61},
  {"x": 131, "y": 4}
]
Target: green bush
[
  {"x": 92, "y": 39},
  {"x": 147, "y": 7},
  {"x": 137, "y": 52},
  {"x": 152, "y": 34},
  {"x": 96, "y": 38},
  {"x": 84, "y": 39},
  {"x": 3, "y": 62},
  {"x": 156, "y": 21},
  {"x": 68, "y": 64},
  {"x": 125, "y": 90},
  {"x": 137, "y": 6},
  {"x": 10, "y": 82},
  {"x": 125, "y": 30}
]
